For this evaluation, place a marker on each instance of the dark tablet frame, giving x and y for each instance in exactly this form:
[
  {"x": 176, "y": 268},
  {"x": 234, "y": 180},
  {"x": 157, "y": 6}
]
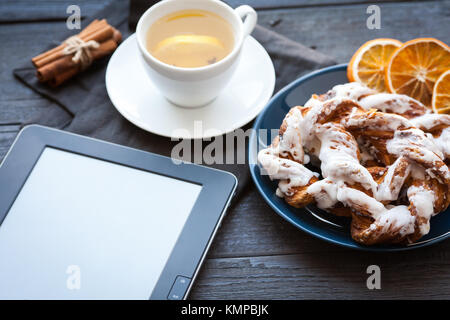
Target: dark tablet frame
[{"x": 190, "y": 249}]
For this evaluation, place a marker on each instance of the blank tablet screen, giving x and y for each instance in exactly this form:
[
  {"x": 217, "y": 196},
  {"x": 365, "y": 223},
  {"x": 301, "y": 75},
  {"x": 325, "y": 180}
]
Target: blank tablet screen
[{"x": 83, "y": 228}]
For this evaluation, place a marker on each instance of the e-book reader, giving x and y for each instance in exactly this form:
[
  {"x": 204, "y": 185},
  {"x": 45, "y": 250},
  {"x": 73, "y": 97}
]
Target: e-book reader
[{"x": 85, "y": 219}]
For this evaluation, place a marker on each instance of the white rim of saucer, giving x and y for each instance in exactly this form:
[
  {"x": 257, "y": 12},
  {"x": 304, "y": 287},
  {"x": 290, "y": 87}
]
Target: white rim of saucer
[{"x": 144, "y": 126}]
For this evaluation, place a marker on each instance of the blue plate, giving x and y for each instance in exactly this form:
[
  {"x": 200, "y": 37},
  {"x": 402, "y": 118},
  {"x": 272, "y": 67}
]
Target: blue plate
[{"x": 311, "y": 219}]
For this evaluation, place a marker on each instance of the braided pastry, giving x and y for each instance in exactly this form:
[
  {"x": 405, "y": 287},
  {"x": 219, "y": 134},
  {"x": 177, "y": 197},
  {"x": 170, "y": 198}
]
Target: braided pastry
[{"x": 383, "y": 161}]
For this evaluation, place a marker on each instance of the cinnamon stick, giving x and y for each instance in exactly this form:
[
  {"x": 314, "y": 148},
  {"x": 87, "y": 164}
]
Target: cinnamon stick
[
  {"x": 94, "y": 25},
  {"x": 117, "y": 36},
  {"x": 55, "y": 67},
  {"x": 62, "y": 77},
  {"x": 59, "y": 67},
  {"x": 98, "y": 35}
]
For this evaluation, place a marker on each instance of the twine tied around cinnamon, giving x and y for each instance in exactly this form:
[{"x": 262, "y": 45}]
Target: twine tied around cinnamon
[{"x": 81, "y": 50}]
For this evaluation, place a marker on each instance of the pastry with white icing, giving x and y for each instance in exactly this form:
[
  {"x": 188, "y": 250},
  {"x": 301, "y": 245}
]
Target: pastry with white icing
[{"x": 383, "y": 161}]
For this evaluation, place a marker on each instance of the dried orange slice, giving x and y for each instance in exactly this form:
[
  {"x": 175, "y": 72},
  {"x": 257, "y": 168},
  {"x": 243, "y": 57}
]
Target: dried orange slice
[
  {"x": 415, "y": 67},
  {"x": 441, "y": 94},
  {"x": 369, "y": 61}
]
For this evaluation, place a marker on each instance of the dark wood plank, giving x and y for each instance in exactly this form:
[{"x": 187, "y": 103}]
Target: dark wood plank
[
  {"x": 252, "y": 228},
  {"x": 326, "y": 275},
  {"x": 25, "y": 110},
  {"x": 7, "y": 135},
  {"x": 339, "y": 30},
  {"x": 29, "y": 10},
  {"x": 278, "y": 4}
]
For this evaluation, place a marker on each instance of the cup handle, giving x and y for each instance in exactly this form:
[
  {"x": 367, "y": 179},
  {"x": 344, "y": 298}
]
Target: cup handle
[{"x": 248, "y": 14}]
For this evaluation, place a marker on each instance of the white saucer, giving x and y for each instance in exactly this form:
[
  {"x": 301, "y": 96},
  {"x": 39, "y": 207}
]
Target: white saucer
[{"x": 137, "y": 99}]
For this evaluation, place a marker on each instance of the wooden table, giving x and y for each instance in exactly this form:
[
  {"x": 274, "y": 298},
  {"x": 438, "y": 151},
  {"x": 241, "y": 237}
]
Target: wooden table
[{"x": 256, "y": 254}]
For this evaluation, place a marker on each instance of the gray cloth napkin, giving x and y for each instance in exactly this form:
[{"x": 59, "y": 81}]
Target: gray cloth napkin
[{"x": 91, "y": 113}]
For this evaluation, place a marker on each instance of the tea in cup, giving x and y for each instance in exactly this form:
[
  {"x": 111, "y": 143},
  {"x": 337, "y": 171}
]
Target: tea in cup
[{"x": 190, "y": 38}]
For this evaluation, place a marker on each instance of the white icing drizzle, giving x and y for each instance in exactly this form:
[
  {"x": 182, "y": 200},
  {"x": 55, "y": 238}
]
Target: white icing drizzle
[
  {"x": 397, "y": 219},
  {"x": 443, "y": 142},
  {"x": 393, "y": 181},
  {"x": 360, "y": 201},
  {"x": 423, "y": 201},
  {"x": 417, "y": 172},
  {"x": 429, "y": 121},
  {"x": 405, "y": 142},
  {"x": 387, "y": 122},
  {"x": 290, "y": 173},
  {"x": 351, "y": 90},
  {"x": 325, "y": 193},
  {"x": 339, "y": 156},
  {"x": 291, "y": 140},
  {"x": 394, "y": 103}
]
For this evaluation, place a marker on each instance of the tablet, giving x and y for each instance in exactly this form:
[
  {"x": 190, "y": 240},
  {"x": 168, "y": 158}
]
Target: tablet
[{"x": 86, "y": 219}]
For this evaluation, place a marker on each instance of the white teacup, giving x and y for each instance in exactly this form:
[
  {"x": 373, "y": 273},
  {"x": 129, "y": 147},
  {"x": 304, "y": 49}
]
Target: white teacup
[{"x": 194, "y": 87}]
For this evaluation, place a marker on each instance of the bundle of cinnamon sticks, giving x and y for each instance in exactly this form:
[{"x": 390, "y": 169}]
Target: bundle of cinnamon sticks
[{"x": 56, "y": 66}]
